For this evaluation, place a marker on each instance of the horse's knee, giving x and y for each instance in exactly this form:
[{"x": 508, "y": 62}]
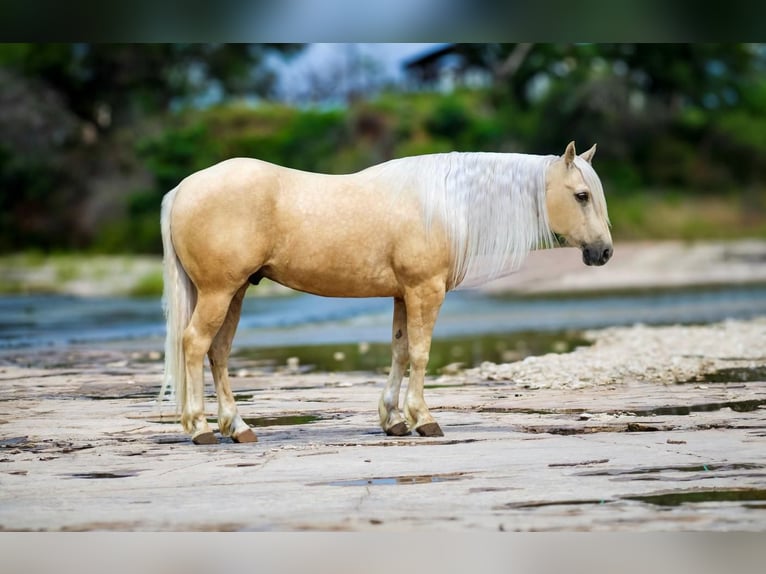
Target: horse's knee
[
  {"x": 400, "y": 357},
  {"x": 194, "y": 349},
  {"x": 418, "y": 358}
]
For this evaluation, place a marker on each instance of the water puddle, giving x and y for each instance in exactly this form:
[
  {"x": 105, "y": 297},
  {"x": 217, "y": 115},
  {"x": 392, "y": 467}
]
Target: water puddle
[
  {"x": 114, "y": 397},
  {"x": 398, "y": 480},
  {"x": 691, "y": 468},
  {"x": 570, "y": 430},
  {"x": 172, "y": 440},
  {"x": 23, "y": 444},
  {"x": 284, "y": 420},
  {"x": 529, "y": 411},
  {"x": 117, "y": 474},
  {"x": 730, "y": 375},
  {"x": 665, "y": 499},
  {"x": 583, "y": 463},
  {"x": 15, "y": 441},
  {"x": 696, "y": 496},
  {"x": 542, "y": 504},
  {"x": 743, "y": 406}
]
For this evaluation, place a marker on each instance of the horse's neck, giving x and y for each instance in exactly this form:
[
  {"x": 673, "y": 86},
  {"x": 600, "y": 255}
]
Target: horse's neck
[
  {"x": 491, "y": 206},
  {"x": 497, "y": 207}
]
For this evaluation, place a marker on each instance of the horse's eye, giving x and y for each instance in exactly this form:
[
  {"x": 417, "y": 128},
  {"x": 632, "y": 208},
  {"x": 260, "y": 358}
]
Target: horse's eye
[{"x": 582, "y": 196}]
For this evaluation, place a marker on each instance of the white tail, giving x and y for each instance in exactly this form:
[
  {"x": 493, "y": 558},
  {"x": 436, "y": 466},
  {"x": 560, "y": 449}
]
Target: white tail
[{"x": 178, "y": 300}]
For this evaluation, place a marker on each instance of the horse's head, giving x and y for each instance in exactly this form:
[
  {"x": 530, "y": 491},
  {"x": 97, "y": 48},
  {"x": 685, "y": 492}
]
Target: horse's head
[{"x": 577, "y": 207}]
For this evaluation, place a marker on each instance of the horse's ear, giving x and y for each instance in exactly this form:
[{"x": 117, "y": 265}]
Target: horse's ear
[
  {"x": 569, "y": 154},
  {"x": 588, "y": 155}
]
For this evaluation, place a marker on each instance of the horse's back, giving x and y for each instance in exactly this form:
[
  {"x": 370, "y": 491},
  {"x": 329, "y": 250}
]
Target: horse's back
[{"x": 343, "y": 235}]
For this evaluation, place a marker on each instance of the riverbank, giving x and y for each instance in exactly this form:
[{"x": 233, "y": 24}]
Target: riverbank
[
  {"x": 635, "y": 265},
  {"x": 647, "y": 429},
  {"x": 640, "y": 266}
]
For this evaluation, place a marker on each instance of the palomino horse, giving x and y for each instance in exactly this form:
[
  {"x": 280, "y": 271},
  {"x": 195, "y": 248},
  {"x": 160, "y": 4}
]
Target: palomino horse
[{"x": 411, "y": 229}]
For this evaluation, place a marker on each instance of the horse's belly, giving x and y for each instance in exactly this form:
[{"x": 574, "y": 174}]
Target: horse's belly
[{"x": 336, "y": 277}]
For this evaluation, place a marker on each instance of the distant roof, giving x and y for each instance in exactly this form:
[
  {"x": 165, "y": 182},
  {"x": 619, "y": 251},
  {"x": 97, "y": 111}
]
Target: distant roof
[{"x": 429, "y": 56}]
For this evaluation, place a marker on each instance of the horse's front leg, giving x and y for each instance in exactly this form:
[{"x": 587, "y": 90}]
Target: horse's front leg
[
  {"x": 391, "y": 419},
  {"x": 423, "y": 303}
]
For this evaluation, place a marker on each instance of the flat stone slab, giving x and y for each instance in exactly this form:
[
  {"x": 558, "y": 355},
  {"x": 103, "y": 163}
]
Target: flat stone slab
[{"x": 86, "y": 446}]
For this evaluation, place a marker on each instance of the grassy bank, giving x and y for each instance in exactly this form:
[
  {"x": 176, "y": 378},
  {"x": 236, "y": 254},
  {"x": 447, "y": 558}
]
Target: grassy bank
[
  {"x": 91, "y": 275},
  {"x": 668, "y": 215},
  {"x": 81, "y": 274}
]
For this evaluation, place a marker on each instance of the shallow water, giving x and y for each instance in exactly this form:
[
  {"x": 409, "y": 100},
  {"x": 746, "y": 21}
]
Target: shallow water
[
  {"x": 446, "y": 353},
  {"x": 398, "y": 480},
  {"x": 37, "y": 321},
  {"x": 707, "y": 495}
]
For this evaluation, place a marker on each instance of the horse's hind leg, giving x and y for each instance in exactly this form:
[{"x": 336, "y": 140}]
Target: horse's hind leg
[
  {"x": 423, "y": 304},
  {"x": 209, "y": 314},
  {"x": 229, "y": 421},
  {"x": 391, "y": 419}
]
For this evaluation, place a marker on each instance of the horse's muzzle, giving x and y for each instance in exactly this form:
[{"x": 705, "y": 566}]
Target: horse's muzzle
[{"x": 596, "y": 254}]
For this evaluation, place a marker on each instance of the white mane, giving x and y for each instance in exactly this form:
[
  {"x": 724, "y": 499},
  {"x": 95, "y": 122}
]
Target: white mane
[{"x": 491, "y": 205}]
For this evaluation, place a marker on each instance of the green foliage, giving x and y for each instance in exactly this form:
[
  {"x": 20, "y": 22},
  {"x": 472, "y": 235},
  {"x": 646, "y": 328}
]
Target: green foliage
[
  {"x": 149, "y": 285},
  {"x": 306, "y": 140},
  {"x": 135, "y": 234},
  {"x": 300, "y": 139},
  {"x": 177, "y": 153},
  {"x": 688, "y": 118},
  {"x": 342, "y": 141},
  {"x": 677, "y": 214},
  {"x": 30, "y": 213},
  {"x": 133, "y": 80},
  {"x": 198, "y": 139},
  {"x": 449, "y": 119}
]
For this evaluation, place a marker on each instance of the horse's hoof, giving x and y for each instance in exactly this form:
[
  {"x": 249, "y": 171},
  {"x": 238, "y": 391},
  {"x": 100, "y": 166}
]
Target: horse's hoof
[
  {"x": 430, "y": 429},
  {"x": 246, "y": 435},
  {"x": 399, "y": 429},
  {"x": 205, "y": 438}
]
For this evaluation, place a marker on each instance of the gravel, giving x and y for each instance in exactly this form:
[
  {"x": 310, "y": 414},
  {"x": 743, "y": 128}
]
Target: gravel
[{"x": 621, "y": 355}]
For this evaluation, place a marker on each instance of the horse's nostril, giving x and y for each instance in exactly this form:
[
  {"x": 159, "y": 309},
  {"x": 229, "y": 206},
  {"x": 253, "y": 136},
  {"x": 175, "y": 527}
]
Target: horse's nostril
[{"x": 606, "y": 255}]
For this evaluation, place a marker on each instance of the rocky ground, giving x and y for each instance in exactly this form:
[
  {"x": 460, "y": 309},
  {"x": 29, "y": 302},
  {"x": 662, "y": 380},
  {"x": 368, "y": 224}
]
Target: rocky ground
[
  {"x": 656, "y": 355},
  {"x": 646, "y": 429}
]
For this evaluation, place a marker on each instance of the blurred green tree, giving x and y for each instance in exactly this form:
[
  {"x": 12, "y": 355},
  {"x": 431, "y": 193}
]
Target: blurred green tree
[
  {"x": 700, "y": 74},
  {"x": 117, "y": 83},
  {"x": 92, "y": 135},
  {"x": 71, "y": 116}
]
